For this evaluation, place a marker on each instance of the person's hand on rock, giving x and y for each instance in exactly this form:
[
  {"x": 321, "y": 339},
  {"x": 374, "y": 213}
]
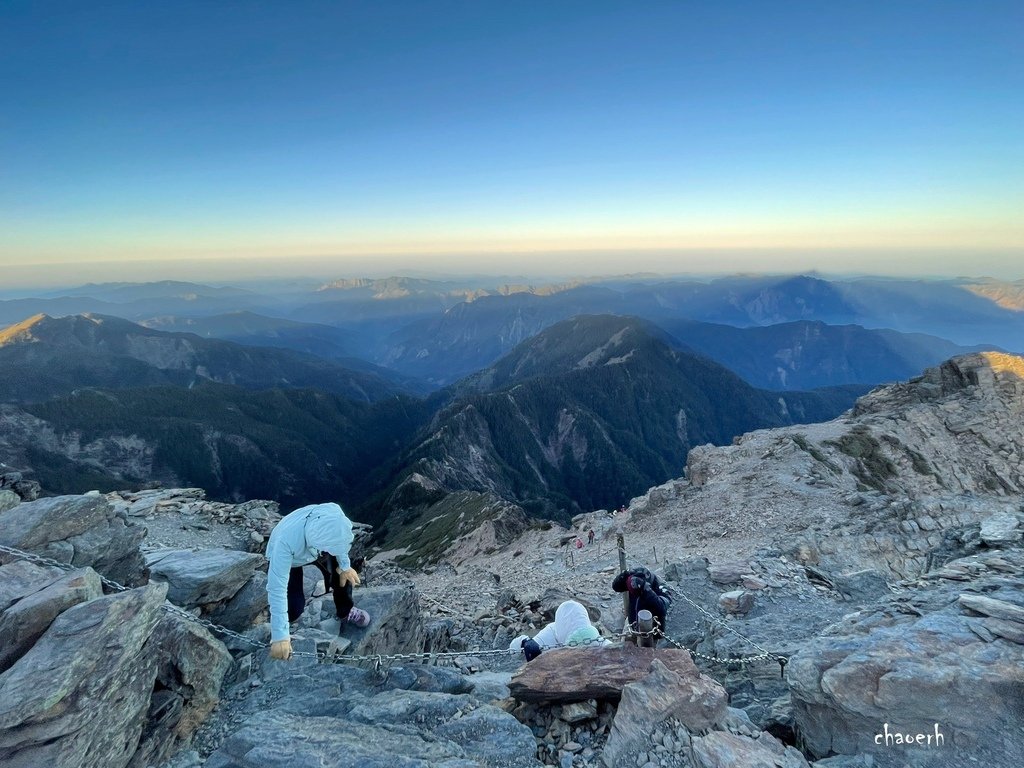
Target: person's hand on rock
[
  {"x": 348, "y": 576},
  {"x": 281, "y": 650}
]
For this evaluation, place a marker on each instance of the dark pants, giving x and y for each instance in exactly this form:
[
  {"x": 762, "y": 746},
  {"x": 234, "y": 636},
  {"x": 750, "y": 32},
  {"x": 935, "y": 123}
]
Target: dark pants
[
  {"x": 297, "y": 593},
  {"x": 649, "y": 601}
]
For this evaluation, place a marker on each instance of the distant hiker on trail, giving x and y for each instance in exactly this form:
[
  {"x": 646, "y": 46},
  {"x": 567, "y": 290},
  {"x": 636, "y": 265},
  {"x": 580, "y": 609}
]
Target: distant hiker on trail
[
  {"x": 571, "y": 627},
  {"x": 320, "y": 535},
  {"x": 579, "y": 543},
  {"x": 646, "y": 593},
  {"x": 590, "y": 536}
]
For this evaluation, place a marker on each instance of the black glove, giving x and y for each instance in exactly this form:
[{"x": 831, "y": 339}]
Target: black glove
[{"x": 531, "y": 648}]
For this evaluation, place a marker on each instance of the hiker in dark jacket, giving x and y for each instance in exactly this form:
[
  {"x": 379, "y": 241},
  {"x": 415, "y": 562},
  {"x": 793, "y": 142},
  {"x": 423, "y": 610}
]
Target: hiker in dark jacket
[{"x": 646, "y": 593}]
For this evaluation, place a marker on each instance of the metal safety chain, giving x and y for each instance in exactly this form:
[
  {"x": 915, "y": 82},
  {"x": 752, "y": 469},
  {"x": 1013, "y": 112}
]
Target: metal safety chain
[
  {"x": 379, "y": 659},
  {"x": 168, "y": 606},
  {"x": 764, "y": 655}
]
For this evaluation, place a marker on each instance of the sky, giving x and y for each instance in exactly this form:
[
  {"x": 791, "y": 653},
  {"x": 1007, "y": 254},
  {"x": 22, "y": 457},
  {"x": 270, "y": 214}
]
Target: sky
[{"x": 192, "y": 139}]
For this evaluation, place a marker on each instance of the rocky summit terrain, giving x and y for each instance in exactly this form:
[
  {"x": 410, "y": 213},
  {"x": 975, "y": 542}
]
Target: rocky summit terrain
[{"x": 847, "y": 594}]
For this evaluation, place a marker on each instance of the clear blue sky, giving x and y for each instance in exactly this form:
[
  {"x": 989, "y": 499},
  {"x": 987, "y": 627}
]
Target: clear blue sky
[{"x": 545, "y": 131}]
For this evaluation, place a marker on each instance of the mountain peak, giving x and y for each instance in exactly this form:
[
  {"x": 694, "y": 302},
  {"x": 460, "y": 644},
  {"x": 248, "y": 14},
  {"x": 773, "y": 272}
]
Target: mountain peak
[
  {"x": 65, "y": 330},
  {"x": 994, "y": 375},
  {"x": 23, "y": 331},
  {"x": 583, "y": 342}
]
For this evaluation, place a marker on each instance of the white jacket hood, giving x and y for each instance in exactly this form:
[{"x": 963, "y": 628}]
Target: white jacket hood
[
  {"x": 570, "y": 617},
  {"x": 328, "y": 530}
]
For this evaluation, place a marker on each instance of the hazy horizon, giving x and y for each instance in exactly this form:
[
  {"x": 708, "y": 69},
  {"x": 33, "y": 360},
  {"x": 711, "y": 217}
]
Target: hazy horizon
[{"x": 313, "y": 271}]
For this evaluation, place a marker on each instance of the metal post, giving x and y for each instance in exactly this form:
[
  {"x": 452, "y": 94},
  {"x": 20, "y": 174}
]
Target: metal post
[
  {"x": 645, "y": 623},
  {"x": 621, "y": 542}
]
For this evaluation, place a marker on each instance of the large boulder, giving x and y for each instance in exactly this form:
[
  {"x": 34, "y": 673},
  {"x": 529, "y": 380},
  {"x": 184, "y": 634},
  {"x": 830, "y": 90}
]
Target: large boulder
[
  {"x": 203, "y": 577},
  {"x": 720, "y": 749},
  {"x": 15, "y": 482},
  {"x": 488, "y": 737},
  {"x": 19, "y": 578},
  {"x": 246, "y": 607},
  {"x": 1000, "y": 529},
  {"x": 728, "y": 573},
  {"x": 937, "y": 656},
  {"x": 345, "y": 716},
  {"x": 24, "y": 620},
  {"x": 396, "y": 624},
  {"x": 697, "y": 701},
  {"x": 80, "y": 697},
  {"x": 83, "y": 531},
  {"x": 190, "y": 669},
  {"x": 579, "y": 674}
]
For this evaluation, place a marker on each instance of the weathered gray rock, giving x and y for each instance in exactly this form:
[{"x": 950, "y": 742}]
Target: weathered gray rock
[
  {"x": 192, "y": 665},
  {"x": 579, "y": 674},
  {"x": 200, "y": 578},
  {"x": 1001, "y": 528},
  {"x": 915, "y": 661},
  {"x": 83, "y": 531},
  {"x": 754, "y": 583},
  {"x": 997, "y": 609},
  {"x": 279, "y": 739},
  {"x": 396, "y": 625},
  {"x": 79, "y": 698},
  {"x": 728, "y": 573},
  {"x": 484, "y": 737},
  {"x": 579, "y": 712},
  {"x": 8, "y": 500},
  {"x": 24, "y": 621},
  {"x": 727, "y": 750},
  {"x": 492, "y": 737},
  {"x": 246, "y": 607},
  {"x": 866, "y": 584},
  {"x": 489, "y": 687},
  {"x": 737, "y": 602},
  {"x": 26, "y": 490},
  {"x": 694, "y": 699},
  {"x": 21, "y": 577},
  {"x": 429, "y": 709},
  {"x": 677, "y": 570}
]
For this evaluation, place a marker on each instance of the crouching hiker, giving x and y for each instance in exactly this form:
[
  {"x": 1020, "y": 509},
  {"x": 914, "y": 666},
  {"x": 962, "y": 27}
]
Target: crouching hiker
[
  {"x": 302, "y": 538},
  {"x": 646, "y": 593},
  {"x": 571, "y": 627}
]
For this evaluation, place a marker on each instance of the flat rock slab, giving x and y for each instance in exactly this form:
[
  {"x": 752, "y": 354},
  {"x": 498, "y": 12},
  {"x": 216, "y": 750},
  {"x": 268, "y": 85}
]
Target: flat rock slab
[
  {"x": 997, "y": 609},
  {"x": 579, "y": 674},
  {"x": 24, "y": 622},
  {"x": 203, "y": 577},
  {"x": 21, "y": 578},
  {"x": 77, "y": 530},
  {"x": 726, "y": 750},
  {"x": 79, "y": 698}
]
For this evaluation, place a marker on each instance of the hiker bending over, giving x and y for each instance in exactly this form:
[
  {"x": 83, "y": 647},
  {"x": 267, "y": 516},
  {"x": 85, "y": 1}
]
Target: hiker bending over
[
  {"x": 646, "y": 593},
  {"x": 571, "y": 627},
  {"x": 320, "y": 535}
]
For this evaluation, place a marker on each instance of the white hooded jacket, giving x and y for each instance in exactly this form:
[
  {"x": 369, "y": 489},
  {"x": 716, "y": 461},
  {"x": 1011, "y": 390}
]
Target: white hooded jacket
[
  {"x": 298, "y": 540},
  {"x": 570, "y": 617}
]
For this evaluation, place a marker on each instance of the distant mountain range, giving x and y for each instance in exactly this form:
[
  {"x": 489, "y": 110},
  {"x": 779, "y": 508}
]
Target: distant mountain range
[
  {"x": 967, "y": 312},
  {"x": 810, "y": 354},
  {"x": 590, "y": 412},
  {"x": 558, "y": 398},
  {"x": 44, "y": 357},
  {"x": 252, "y": 329},
  {"x": 584, "y": 414}
]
